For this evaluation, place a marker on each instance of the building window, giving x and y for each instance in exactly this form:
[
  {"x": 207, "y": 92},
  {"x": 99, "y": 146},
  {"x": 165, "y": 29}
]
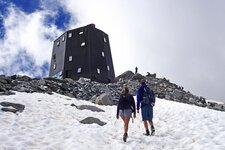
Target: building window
[
  {"x": 70, "y": 35},
  {"x": 54, "y": 57},
  {"x": 79, "y": 70},
  {"x": 58, "y": 43},
  {"x": 70, "y": 58},
  {"x": 63, "y": 38},
  {"x": 81, "y": 32},
  {"x": 98, "y": 70},
  {"x": 104, "y": 39},
  {"x": 107, "y": 67},
  {"x": 54, "y": 66},
  {"x": 103, "y": 54},
  {"x": 82, "y": 44}
]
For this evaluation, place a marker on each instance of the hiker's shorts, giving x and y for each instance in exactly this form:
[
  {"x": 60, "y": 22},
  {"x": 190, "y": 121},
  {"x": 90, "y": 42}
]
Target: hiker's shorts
[
  {"x": 147, "y": 113},
  {"x": 125, "y": 113}
]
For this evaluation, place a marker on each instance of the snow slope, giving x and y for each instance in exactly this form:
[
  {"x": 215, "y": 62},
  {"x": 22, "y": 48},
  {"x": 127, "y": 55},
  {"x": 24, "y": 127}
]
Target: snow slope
[{"x": 50, "y": 123}]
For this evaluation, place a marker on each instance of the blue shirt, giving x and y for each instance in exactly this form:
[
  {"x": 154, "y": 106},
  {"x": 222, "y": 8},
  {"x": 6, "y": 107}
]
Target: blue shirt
[{"x": 140, "y": 96}]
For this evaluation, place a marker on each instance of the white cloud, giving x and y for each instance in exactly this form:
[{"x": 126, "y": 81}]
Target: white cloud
[
  {"x": 27, "y": 32},
  {"x": 107, "y": 16},
  {"x": 177, "y": 40},
  {"x": 182, "y": 41}
]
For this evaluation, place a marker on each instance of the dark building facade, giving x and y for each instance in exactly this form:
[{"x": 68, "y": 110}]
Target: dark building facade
[{"x": 83, "y": 52}]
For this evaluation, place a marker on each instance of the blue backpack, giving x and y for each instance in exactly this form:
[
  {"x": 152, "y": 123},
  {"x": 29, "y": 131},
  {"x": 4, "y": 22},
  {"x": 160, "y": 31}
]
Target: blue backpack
[{"x": 148, "y": 96}]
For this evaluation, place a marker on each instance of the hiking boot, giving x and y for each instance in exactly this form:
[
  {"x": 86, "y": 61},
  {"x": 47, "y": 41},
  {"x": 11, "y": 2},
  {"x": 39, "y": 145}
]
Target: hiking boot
[
  {"x": 147, "y": 132},
  {"x": 152, "y": 130},
  {"x": 125, "y": 137}
]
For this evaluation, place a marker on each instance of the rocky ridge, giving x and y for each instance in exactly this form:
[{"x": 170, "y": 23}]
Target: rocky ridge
[{"x": 100, "y": 93}]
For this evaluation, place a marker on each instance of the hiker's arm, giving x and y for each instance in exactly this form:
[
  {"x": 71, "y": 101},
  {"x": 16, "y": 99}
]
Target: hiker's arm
[
  {"x": 117, "y": 111},
  {"x": 133, "y": 105},
  {"x": 153, "y": 99},
  {"x": 139, "y": 94}
]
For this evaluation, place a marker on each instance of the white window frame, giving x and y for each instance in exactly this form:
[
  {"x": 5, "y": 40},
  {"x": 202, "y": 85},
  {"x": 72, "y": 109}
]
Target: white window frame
[
  {"x": 58, "y": 43},
  {"x": 70, "y": 35},
  {"x": 79, "y": 70},
  {"x": 54, "y": 66},
  {"x": 108, "y": 67},
  {"x": 54, "y": 56},
  {"x": 103, "y": 54},
  {"x": 82, "y": 44},
  {"x": 70, "y": 58},
  {"x": 104, "y": 39},
  {"x": 63, "y": 38},
  {"x": 98, "y": 71}
]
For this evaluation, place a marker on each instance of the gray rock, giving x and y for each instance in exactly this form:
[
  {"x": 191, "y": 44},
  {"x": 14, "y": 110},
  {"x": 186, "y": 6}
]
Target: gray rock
[
  {"x": 178, "y": 94},
  {"x": 91, "y": 120},
  {"x": 7, "y": 93},
  {"x": 16, "y": 107},
  {"x": 138, "y": 77},
  {"x": 9, "y": 110},
  {"x": 83, "y": 80},
  {"x": 216, "y": 106},
  {"x": 151, "y": 75},
  {"x": 104, "y": 99},
  {"x": 24, "y": 78},
  {"x": 126, "y": 75},
  {"x": 89, "y": 107},
  {"x": 3, "y": 81}
]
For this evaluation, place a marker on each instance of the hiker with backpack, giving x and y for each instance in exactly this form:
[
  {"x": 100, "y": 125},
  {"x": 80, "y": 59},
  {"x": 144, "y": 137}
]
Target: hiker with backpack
[
  {"x": 125, "y": 108},
  {"x": 146, "y": 101}
]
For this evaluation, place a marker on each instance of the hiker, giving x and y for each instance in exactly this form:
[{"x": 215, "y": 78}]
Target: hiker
[
  {"x": 146, "y": 98},
  {"x": 136, "y": 70},
  {"x": 125, "y": 108}
]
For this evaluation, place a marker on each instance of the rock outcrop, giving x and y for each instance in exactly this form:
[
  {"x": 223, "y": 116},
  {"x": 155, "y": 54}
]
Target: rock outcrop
[
  {"x": 12, "y": 107},
  {"x": 103, "y": 94}
]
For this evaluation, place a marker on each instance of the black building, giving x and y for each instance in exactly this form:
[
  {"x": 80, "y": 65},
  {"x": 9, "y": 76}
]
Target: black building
[{"x": 83, "y": 52}]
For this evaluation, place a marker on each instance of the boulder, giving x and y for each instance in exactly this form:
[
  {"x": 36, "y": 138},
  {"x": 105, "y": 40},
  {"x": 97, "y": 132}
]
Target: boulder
[
  {"x": 138, "y": 77},
  {"x": 104, "y": 99},
  {"x": 91, "y": 120},
  {"x": 15, "y": 107},
  {"x": 125, "y": 76},
  {"x": 88, "y": 107}
]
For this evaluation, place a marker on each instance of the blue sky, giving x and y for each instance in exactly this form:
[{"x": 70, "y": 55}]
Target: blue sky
[
  {"x": 25, "y": 5},
  {"x": 181, "y": 40},
  {"x": 23, "y": 62}
]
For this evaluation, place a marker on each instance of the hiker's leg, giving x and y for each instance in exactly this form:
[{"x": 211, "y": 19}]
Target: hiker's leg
[
  {"x": 150, "y": 120},
  {"x": 145, "y": 124},
  {"x": 151, "y": 123},
  {"x": 152, "y": 127},
  {"x": 144, "y": 113},
  {"x": 123, "y": 118},
  {"x": 146, "y": 127},
  {"x": 126, "y": 124}
]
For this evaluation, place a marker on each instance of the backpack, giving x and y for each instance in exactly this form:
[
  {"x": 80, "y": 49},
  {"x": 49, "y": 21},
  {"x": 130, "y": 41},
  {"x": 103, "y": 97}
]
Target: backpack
[{"x": 148, "y": 96}]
